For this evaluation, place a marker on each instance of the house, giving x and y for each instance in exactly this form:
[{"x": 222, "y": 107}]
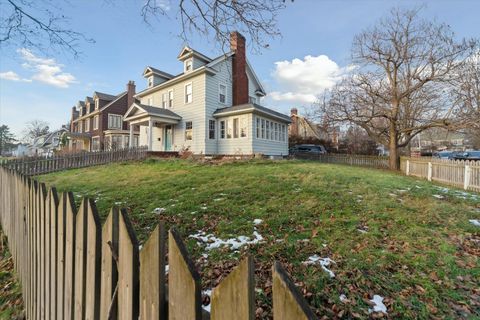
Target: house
[
  {"x": 212, "y": 107},
  {"x": 97, "y": 122},
  {"x": 303, "y": 129},
  {"x": 47, "y": 144},
  {"x": 21, "y": 150}
]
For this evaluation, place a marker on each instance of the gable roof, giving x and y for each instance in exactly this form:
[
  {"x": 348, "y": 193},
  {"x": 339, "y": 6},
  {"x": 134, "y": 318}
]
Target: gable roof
[
  {"x": 89, "y": 99},
  {"x": 151, "y": 70},
  {"x": 104, "y": 96},
  {"x": 151, "y": 111},
  {"x": 251, "y": 107},
  {"x": 187, "y": 52}
]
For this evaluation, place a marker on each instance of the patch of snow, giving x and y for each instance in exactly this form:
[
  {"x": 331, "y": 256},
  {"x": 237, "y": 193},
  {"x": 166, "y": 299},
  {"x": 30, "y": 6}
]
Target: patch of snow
[
  {"x": 378, "y": 305},
  {"x": 167, "y": 267},
  {"x": 173, "y": 205},
  {"x": 118, "y": 203},
  {"x": 207, "y": 292},
  {"x": 140, "y": 247},
  {"x": 222, "y": 194},
  {"x": 438, "y": 196},
  {"x": 392, "y": 194},
  {"x": 218, "y": 199},
  {"x": 402, "y": 190},
  {"x": 418, "y": 187},
  {"x": 323, "y": 262},
  {"x": 213, "y": 242},
  {"x": 204, "y": 208},
  {"x": 193, "y": 212},
  {"x": 342, "y": 297},
  {"x": 279, "y": 240},
  {"x": 362, "y": 231},
  {"x": 159, "y": 210},
  {"x": 257, "y": 221},
  {"x": 475, "y": 222}
]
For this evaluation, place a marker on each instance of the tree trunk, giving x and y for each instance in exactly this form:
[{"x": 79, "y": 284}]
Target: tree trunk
[{"x": 393, "y": 160}]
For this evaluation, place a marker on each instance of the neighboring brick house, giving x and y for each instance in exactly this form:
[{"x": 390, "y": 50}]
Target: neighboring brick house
[
  {"x": 302, "y": 128},
  {"x": 212, "y": 107},
  {"x": 97, "y": 123}
]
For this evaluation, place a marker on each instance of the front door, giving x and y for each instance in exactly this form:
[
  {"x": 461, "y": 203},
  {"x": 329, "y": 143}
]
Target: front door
[{"x": 168, "y": 138}]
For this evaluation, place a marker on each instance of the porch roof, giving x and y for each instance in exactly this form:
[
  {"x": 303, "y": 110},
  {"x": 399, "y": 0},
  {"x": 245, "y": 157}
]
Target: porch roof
[
  {"x": 78, "y": 135},
  {"x": 141, "y": 112},
  {"x": 254, "y": 108}
]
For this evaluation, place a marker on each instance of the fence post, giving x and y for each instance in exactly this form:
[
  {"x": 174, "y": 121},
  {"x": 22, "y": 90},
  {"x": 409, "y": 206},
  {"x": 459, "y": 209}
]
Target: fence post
[
  {"x": 429, "y": 177},
  {"x": 466, "y": 180},
  {"x": 407, "y": 170}
]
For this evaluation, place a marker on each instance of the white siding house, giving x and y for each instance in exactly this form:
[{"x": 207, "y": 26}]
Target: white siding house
[{"x": 211, "y": 108}]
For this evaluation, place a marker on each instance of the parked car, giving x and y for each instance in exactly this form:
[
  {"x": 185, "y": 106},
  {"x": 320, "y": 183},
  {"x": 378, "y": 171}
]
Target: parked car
[
  {"x": 444, "y": 155},
  {"x": 308, "y": 148},
  {"x": 468, "y": 155}
]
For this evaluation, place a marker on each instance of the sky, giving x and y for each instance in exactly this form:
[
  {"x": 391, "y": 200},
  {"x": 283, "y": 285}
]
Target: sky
[{"x": 310, "y": 56}]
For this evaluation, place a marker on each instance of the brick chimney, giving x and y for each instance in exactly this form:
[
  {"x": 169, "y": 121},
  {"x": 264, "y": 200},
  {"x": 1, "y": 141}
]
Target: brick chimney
[
  {"x": 239, "y": 67},
  {"x": 130, "y": 93},
  {"x": 294, "y": 124}
]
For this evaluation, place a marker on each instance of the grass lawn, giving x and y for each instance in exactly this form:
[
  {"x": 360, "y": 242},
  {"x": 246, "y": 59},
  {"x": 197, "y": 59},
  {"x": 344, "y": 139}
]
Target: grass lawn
[
  {"x": 11, "y": 302},
  {"x": 403, "y": 239}
]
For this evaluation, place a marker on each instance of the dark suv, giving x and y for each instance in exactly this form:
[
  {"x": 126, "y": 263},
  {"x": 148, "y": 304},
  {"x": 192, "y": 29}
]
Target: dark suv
[{"x": 308, "y": 148}]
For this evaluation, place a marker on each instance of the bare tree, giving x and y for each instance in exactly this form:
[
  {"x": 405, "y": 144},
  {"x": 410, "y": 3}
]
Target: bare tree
[
  {"x": 41, "y": 25},
  {"x": 400, "y": 87},
  {"x": 35, "y": 129},
  {"x": 38, "y": 25},
  {"x": 466, "y": 95},
  {"x": 257, "y": 19}
]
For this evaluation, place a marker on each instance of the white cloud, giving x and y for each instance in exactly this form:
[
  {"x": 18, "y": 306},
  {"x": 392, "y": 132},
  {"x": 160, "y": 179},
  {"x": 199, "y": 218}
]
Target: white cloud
[
  {"x": 12, "y": 76},
  {"x": 301, "y": 80},
  {"x": 46, "y": 70}
]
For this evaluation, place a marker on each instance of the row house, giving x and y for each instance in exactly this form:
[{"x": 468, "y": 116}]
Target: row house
[{"x": 97, "y": 122}]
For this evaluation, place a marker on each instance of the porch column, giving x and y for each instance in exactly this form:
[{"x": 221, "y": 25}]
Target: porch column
[
  {"x": 130, "y": 139},
  {"x": 150, "y": 136}
]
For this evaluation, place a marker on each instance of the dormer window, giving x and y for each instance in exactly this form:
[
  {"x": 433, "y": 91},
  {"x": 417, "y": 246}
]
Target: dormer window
[
  {"x": 188, "y": 65},
  {"x": 150, "y": 82},
  {"x": 96, "y": 104}
]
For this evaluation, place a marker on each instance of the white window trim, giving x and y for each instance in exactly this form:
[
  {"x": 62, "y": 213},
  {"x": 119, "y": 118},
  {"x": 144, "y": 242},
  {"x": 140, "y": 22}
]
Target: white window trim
[
  {"x": 214, "y": 129},
  {"x": 185, "y": 137},
  {"x": 93, "y": 138},
  {"x": 114, "y": 115},
  {"x": 97, "y": 103},
  {"x": 95, "y": 122},
  {"x": 226, "y": 98},
  {"x": 190, "y": 60},
  {"x": 150, "y": 81},
  {"x": 173, "y": 98},
  {"x": 185, "y": 93},
  {"x": 165, "y": 100}
]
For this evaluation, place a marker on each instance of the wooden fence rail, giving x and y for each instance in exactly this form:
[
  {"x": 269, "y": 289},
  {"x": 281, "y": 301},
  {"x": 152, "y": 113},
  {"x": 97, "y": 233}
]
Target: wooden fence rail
[
  {"x": 457, "y": 173},
  {"x": 72, "y": 267},
  {"x": 349, "y": 159},
  {"x": 38, "y": 165}
]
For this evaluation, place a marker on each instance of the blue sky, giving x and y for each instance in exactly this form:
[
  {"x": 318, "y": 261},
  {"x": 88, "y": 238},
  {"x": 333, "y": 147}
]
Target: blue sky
[{"x": 313, "y": 51}]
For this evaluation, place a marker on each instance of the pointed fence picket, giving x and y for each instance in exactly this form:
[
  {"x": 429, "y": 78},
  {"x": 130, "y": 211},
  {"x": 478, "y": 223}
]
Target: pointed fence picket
[{"x": 71, "y": 267}]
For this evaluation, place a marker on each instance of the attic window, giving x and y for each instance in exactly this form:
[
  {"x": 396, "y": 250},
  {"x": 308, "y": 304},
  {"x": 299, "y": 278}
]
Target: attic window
[
  {"x": 96, "y": 104},
  {"x": 150, "y": 82},
  {"x": 188, "y": 65}
]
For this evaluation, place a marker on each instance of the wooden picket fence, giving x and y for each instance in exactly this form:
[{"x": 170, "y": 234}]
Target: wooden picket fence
[
  {"x": 457, "y": 173},
  {"x": 40, "y": 165},
  {"x": 348, "y": 159},
  {"x": 72, "y": 267}
]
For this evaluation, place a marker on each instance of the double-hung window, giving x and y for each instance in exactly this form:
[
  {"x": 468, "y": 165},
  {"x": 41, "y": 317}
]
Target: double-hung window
[
  {"x": 276, "y": 132},
  {"x": 188, "y": 65},
  {"x": 95, "y": 122},
  {"x": 211, "y": 129},
  {"x": 87, "y": 125},
  {"x": 188, "y": 93},
  {"x": 170, "y": 98},
  {"x": 222, "y": 93},
  {"x": 164, "y": 100},
  {"x": 222, "y": 129},
  {"x": 114, "y": 121},
  {"x": 263, "y": 128},
  {"x": 188, "y": 130},
  {"x": 267, "y": 136}
]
